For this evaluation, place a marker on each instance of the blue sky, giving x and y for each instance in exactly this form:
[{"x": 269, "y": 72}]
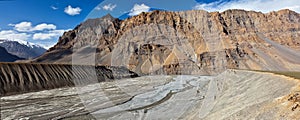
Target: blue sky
[
  {"x": 40, "y": 11},
  {"x": 43, "y": 21}
]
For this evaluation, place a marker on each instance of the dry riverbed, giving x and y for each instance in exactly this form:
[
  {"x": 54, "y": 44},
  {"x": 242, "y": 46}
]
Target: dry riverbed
[{"x": 234, "y": 94}]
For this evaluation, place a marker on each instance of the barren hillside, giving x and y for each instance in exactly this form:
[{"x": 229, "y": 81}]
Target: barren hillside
[
  {"x": 16, "y": 78},
  {"x": 189, "y": 42}
]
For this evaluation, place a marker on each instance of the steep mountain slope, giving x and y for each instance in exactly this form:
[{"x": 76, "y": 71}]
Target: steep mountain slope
[
  {"x": 185, "y": 42},
  {"x": 6, "y": 57},
  {"x": 23, "y": 50},
  {"x": 16, "y": 78}
]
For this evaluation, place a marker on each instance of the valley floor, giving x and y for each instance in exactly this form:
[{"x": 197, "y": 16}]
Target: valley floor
[{"x": 237, "y": 94}]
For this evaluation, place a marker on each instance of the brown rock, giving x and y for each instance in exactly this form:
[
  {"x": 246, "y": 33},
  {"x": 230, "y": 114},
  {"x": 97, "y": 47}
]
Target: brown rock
[{"x": 200, "y": 41}]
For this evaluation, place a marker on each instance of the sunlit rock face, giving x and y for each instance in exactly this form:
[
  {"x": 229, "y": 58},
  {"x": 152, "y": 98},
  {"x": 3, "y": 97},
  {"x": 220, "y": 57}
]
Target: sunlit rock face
[
  {"x": 173, "y": 53},
  {"x": 233, "y": 94},
  {"x": 189, "y": 42}
]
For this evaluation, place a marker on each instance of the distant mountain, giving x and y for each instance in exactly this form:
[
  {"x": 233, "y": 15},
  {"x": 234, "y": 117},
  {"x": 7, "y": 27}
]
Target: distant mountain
[
  {"x": 6, "y": 57},
  {"x": 185, "y": 42},
  {"x": 22, "y": 49}
]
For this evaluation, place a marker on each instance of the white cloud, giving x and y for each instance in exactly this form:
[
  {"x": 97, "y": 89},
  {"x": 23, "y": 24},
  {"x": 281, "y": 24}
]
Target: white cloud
[
  {"x": 137, "y": 9},
  {"x": 46, "y": 45},
  {"x": 72, "y": 11},
  {"x": 98, "y": 8},
  {"x": 23, "y": 26},
  {"x": 109, "y": 7},
  {"x": 54, "y": 8},
  {"x": 27, "y": 27},
  {"x": 11, "y": 24},
  {"x": 257, "y": 5},
  {"x": 44, "y": 26},
  {"x": 44, "y": 34},
  {"x": 48, "y": 35},
  {"x": 25, "y": 30},
  {"x": 13, "y": 35}
]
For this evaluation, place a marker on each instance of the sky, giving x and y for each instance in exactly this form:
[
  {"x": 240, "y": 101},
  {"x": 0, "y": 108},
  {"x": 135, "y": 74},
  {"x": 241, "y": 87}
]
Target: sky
[{"x": 43, "y": 21}]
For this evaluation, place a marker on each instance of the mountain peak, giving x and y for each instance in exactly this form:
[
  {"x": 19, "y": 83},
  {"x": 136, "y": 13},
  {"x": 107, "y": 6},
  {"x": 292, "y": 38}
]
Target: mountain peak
[
  {"x": 22, "y": 49},
  {"x": 26, "y": 43},
  {"x": 236, "y": 11},
  {"x": 108, "y": 16},
  {"x": 286, "y": 11},
  {"x": 238, "y": 40}
]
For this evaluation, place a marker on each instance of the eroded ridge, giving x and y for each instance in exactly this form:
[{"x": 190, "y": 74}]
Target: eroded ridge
[{"x": 19, "y": 78}]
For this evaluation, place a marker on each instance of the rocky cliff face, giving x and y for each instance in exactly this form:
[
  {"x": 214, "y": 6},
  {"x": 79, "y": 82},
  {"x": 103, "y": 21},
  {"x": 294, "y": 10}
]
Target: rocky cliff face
[{"x": 185, "y": 42}]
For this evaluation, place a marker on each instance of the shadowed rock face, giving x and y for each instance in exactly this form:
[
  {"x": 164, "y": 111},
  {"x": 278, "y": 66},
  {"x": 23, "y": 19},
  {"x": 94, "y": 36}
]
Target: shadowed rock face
[
  {"x": 199, "y": 42},
  {"x": 7, "y": 57},
  {"x": 20, "y": 78}
]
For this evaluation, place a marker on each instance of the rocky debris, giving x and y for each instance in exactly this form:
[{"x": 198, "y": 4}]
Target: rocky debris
[
  {"x": 211, "y": 41},
  {"x": 295, "y": 99},
  {"x": 234, "y": 94}
]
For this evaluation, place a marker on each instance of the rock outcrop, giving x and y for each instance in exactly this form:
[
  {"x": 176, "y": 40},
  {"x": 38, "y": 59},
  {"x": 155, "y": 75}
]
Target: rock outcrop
[{"x": 186, "y": 42}]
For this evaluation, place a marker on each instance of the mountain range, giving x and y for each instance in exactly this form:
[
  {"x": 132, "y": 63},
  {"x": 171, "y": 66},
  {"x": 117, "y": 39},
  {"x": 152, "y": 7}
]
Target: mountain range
[
  {"x": 245, "y": 63},
  {"x": 22, "y": 49},
  {"x": 7, "y": 57},
  {"x": 187, "y": 42}
]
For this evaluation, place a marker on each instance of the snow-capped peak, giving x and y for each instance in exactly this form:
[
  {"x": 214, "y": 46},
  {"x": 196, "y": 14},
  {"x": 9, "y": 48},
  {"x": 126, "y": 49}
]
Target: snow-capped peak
[{"x": 26, "y": 43}]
